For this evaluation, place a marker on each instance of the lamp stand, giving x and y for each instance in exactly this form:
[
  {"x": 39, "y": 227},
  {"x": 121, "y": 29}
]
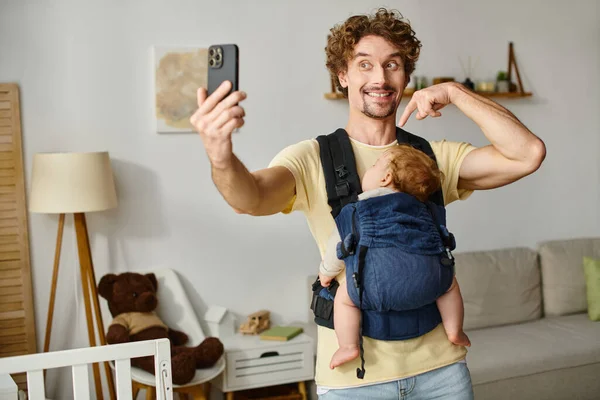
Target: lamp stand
[{"x": 90, "y": 296}]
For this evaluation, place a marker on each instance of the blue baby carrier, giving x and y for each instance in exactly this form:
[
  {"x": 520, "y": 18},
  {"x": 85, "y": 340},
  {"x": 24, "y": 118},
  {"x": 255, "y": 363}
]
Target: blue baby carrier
[{"x": 396, "y": 248}]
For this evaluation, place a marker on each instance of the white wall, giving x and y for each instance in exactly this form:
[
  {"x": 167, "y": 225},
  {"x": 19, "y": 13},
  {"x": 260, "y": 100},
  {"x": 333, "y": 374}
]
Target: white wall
[{"x": 85, "y": 72}]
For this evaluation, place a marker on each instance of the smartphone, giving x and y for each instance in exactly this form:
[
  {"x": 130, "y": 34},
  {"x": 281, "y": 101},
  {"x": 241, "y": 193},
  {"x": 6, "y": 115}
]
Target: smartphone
[{"x": 223, "y": 65}]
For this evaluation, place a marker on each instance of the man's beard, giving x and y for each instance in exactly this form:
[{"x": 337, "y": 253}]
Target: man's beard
[{"x": 377, "y": 112}]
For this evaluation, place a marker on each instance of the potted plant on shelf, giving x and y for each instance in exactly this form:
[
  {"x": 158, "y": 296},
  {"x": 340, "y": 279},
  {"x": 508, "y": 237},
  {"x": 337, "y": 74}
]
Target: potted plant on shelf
[{"x": 502, "y": 84}]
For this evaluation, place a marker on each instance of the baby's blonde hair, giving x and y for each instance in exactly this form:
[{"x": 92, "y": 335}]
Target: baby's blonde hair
[{"x": 413, "y": 171}]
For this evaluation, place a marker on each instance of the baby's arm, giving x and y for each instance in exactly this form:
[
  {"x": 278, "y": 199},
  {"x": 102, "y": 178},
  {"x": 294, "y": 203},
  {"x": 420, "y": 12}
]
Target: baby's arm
[{"x": 331, "y": 266}]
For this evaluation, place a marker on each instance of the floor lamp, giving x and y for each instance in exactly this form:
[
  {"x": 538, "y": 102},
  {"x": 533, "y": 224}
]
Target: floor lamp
[{"x": 75, "y": 183}]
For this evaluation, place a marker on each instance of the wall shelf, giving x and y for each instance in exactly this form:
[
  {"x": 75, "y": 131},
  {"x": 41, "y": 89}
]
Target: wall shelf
[
  {"x": 407, "y": 94},
  {"x": 505, "y": 94},
  {"x": 334, "y": 96}
]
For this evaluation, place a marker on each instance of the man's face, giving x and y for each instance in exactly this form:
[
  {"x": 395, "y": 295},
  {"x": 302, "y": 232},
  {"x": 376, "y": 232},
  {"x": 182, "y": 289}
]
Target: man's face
[{"x": 375, "y": 78}]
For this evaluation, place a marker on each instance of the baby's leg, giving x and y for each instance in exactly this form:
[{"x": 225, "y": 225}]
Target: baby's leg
[
  {"x": 346, "y": 320},
  {"x": 451, "y": 308}
]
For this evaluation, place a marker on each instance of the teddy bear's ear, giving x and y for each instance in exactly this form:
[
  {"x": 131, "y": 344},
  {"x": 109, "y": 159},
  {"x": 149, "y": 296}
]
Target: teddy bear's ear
[
  {"x": 106, "y": 284},
  {"x": 152, "y": 278}
]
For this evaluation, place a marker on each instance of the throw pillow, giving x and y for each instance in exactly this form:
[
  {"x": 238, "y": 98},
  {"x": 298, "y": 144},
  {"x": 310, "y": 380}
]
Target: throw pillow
[{"x": 591, "y": 269}]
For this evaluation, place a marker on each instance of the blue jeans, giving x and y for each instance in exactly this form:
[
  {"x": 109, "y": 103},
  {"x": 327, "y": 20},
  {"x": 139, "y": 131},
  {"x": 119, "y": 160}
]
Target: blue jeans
[{"x": 449, "y": 383}]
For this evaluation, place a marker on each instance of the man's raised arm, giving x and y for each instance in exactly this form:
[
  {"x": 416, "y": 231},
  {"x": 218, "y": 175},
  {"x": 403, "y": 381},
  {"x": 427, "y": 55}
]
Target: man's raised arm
[
  {"x": 263, "y": 192},
  {"x": 514, "y": 152}
]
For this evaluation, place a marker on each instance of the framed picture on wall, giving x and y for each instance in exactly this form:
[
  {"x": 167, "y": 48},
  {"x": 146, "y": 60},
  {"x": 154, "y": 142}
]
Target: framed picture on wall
[{"x": 178, "y": 73}]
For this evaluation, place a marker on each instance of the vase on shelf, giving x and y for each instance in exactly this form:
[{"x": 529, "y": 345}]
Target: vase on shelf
[{"x": 469, "y": 83}]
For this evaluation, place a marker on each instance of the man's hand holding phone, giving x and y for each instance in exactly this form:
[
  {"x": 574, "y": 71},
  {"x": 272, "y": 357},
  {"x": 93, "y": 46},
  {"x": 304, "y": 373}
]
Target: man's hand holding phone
[{"x": 218, "y": 115}]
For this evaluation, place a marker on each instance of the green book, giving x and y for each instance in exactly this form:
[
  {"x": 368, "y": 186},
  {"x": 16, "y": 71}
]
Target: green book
[{"x": 282, "y": 333}]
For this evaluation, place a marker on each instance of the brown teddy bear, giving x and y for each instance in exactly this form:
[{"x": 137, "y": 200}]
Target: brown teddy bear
[{"x": 132, "y": 300}]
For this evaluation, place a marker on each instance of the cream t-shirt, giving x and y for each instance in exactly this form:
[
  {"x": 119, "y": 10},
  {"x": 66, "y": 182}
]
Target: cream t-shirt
[{"x": 384, "y": 360}]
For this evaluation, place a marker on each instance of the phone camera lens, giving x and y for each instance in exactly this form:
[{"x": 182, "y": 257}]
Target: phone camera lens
[
  {"x": 211, "y": 52},
  {"x": 211, "y": 62},
  {"x": 218, "y": 57}
]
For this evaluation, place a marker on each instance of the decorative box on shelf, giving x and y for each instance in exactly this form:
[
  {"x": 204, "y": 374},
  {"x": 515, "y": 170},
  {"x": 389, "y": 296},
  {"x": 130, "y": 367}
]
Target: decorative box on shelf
[{"x": 253, "y": 362}]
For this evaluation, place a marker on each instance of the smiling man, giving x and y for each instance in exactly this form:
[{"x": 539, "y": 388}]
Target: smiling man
[{"x": 372, "y": 57}]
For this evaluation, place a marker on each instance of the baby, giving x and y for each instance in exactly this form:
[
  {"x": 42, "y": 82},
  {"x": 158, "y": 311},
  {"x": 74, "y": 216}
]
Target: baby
[{"x": 400, "y": 169}]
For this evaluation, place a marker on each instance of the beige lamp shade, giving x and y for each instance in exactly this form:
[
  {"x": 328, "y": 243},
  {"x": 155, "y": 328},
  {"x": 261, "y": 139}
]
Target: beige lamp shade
[{"x": 72, "y": 183}]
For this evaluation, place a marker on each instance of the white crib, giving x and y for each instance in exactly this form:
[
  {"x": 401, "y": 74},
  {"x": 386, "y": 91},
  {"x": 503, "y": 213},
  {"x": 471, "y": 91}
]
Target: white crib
[{"x": 78, "y": 359}]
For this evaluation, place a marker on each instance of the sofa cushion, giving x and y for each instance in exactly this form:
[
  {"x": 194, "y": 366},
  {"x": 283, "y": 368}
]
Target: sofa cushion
[
  {"x": 499, "y": 287},
  {"x": 524, "y": 349},
  {"x": 576, "y": 383},
  {"x": 563, "y": 283},
  {"x": 591, "y": 270}
]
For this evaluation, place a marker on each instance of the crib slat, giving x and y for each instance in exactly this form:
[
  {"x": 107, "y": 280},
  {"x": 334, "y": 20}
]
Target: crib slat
[
  {"x": 162, "y": 363},
  {"x": 35, "y": 385},
  {"x": 123, "y": 373},
  {"x": 81, "y": 383}
]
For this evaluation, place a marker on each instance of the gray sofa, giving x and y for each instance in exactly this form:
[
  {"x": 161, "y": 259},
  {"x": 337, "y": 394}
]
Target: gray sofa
[{"x": 525, "y": 313}]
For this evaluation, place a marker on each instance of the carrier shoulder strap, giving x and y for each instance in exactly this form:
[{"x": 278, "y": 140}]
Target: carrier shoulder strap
[{"x": 339, "y": 167}]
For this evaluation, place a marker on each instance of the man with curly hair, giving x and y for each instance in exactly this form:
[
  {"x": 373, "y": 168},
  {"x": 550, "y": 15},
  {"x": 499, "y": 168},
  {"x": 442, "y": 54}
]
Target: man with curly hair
[{"x": 372, "y": 57}]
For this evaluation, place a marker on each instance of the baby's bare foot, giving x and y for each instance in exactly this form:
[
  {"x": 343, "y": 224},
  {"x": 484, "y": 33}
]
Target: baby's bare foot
[
  {"x": 459, "y": 338},
  {"x": 343, "y": 355}
]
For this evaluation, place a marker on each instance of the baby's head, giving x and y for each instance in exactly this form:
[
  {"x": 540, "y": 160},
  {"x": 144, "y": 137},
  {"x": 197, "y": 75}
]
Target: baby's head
[{"x": 404, "y": 169}]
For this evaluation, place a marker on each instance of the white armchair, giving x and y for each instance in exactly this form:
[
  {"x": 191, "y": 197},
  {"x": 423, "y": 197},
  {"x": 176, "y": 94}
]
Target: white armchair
[{"x": 175, "y": 309}]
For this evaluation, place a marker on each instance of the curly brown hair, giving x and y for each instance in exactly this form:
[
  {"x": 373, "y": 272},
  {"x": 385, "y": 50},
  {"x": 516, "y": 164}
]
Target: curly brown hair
[
  {"x": 413, "y": 171},
  {"x": 388, "y": 24}
]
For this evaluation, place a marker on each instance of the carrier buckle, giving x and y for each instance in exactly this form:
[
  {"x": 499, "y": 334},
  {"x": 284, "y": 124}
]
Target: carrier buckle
[
  {"x": 341, "y": 171},
  {"x": 356, "y": 280},
  {"x": 342, "y": 189},
  {"x": 447, "y": 259}
]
